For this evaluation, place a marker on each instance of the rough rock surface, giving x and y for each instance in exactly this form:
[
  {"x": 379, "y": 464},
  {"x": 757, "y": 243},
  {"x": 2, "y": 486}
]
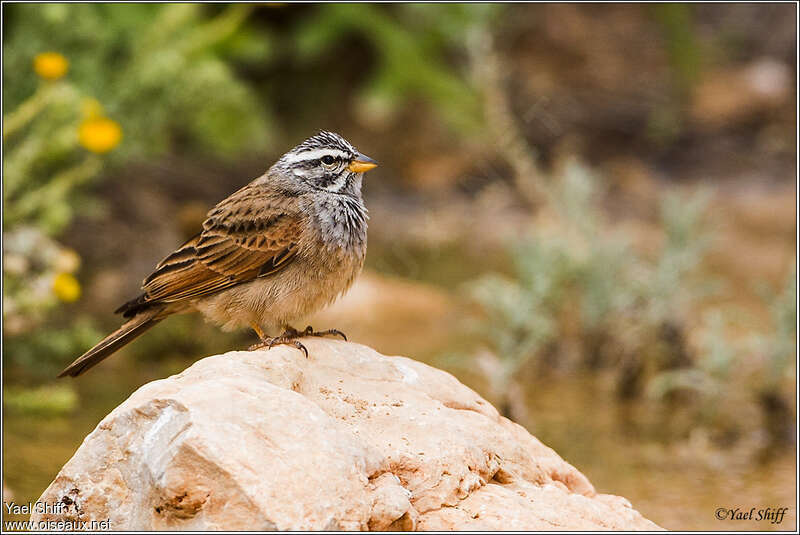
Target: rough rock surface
[{"x": 346, "y": 439}]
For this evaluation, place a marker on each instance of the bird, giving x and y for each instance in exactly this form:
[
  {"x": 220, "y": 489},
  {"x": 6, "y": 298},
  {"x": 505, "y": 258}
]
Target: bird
[{"x": 282, "y": 247}]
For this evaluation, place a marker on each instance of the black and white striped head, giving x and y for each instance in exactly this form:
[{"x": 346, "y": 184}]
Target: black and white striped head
[{"x": 327, "y": 161}]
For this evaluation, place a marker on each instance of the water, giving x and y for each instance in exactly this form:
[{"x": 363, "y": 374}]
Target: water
[{"x": 678, "y": 483}]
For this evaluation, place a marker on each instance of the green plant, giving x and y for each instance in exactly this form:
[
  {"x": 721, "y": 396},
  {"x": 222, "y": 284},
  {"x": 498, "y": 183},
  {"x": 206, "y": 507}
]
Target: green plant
[
  {"x": 44, "y": 167},
  {"x": 676, "y": 22},
  {"x": 779, "y": 345},
  {"x": 768, "y": 359},
  {"x": 778, "y": 350},
  {"x": 710, "y": 372},
  {"x": 40, "y": 352},
  {"x": 161, "y": 71},
  {"x": 97, "y": 86},
  {"x": 519, "y": 310},
  {"x": 578, "y": 280},
  {"x": 51, "y": 400},
  {"x": 411, "y": 57}
]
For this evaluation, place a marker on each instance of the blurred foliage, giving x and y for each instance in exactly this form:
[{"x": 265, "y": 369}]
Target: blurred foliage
[
  {"x": 626, "y": 304},
  {"x": 410, "y": 49},
  {"x": 716, "y": 376},
  {"x": 96, "y": 85},
  {"x": 776, "y": 388},
  {"x": 44, "y": 166},
  {"x": 138, "y": 61},
  {"x": 779, "y": 344},
  {"x": 43, "y": 163},
  {"x": 50, "y": 400},
  {"x": 774, "y": 351},
  {"x": 676, "y": 21},
  {"x": 677, "y": 24},
  {"x": 709, "y": 380},
  {"x": 37, "y": 274},
  {"x": 707, "y": 375},
  {"x": 42, "y": 355},
  {"x": 584, "y": 283},
  {"x": 162, "y": 71}
]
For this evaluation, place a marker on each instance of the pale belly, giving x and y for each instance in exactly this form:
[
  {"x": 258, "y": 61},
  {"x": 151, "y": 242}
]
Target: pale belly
[{"x": 283, "y": 298}]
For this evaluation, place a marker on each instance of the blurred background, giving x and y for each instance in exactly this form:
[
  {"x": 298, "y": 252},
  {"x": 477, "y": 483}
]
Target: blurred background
[{"x": 584, "y": 212}]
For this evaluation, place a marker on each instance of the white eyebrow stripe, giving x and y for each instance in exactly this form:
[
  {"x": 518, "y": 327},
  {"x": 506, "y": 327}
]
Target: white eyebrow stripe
[{"x": 314, "y": 154}]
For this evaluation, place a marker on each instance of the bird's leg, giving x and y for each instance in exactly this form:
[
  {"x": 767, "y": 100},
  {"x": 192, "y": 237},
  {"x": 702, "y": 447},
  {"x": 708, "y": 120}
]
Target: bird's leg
[
  {"x": 264, "y": 341},
  {"x": 309, "y": 331}
]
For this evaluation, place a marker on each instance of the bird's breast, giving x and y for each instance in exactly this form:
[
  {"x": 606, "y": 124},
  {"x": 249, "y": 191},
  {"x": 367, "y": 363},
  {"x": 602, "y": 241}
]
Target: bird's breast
[{"x": 340, "y": 222}]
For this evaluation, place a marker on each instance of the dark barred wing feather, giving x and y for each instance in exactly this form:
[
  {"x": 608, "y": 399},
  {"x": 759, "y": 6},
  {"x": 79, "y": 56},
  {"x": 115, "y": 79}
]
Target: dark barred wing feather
[{"x": 246, "y": 236}]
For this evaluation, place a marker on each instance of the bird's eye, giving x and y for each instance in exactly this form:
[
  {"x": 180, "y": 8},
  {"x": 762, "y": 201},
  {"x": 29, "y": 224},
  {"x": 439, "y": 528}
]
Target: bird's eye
[{"x": 327, "y": 160}]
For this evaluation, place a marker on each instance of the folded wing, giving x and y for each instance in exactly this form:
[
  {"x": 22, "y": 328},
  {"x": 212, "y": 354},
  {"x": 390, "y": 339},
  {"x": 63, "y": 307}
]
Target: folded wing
[{"x": 246, "y": 236}]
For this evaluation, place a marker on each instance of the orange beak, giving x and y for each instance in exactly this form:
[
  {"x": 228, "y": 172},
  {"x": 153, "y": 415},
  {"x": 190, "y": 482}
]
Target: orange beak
[{"x": 362, "y": 164}]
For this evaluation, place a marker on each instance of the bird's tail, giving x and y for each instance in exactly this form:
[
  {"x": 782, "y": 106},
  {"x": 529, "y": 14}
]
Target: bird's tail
[{"x": 114, "y": 341}]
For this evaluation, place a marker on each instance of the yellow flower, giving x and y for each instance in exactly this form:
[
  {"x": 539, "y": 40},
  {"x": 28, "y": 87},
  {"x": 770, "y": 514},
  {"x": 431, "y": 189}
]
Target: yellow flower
[
  {"x": 66, "y": 287},
  {"x": 99, "y": 134},
  {"x": 50, "y": 65}
]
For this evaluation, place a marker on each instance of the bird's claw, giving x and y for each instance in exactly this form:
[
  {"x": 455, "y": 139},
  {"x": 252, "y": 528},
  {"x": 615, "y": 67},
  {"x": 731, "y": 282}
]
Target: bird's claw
[
  {"x": 290, "y": 335},
  {"x": 286, "y": 340},
  {"x": 309, "y": 331}
]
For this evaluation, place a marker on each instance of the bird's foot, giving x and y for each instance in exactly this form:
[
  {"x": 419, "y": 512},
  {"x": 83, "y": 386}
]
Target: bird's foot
[
  {"x": 290, "y": 336},
  {"x": 287, "y": 340},
  {"x": 309, "y": 331}
]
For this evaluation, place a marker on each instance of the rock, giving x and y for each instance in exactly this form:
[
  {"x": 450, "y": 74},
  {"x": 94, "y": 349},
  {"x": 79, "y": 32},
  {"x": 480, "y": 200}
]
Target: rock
[{"x": 346, "y": 439}]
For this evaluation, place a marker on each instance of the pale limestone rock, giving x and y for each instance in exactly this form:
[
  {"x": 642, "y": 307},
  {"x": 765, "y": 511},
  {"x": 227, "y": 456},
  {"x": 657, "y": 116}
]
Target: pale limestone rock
[{"x": 346, "y": 439}]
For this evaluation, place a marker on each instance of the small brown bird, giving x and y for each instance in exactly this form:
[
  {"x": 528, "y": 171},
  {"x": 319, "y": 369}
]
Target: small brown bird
[{"x": 277, "y": 250}]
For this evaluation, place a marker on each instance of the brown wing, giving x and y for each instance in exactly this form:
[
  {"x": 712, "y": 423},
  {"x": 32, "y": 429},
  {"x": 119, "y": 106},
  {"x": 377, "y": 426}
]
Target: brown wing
[{"x": 247, "y": 235}]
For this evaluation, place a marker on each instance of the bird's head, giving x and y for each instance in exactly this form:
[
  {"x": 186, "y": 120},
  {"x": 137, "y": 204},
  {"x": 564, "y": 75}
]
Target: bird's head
[{"x": 328, "y": 162}]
